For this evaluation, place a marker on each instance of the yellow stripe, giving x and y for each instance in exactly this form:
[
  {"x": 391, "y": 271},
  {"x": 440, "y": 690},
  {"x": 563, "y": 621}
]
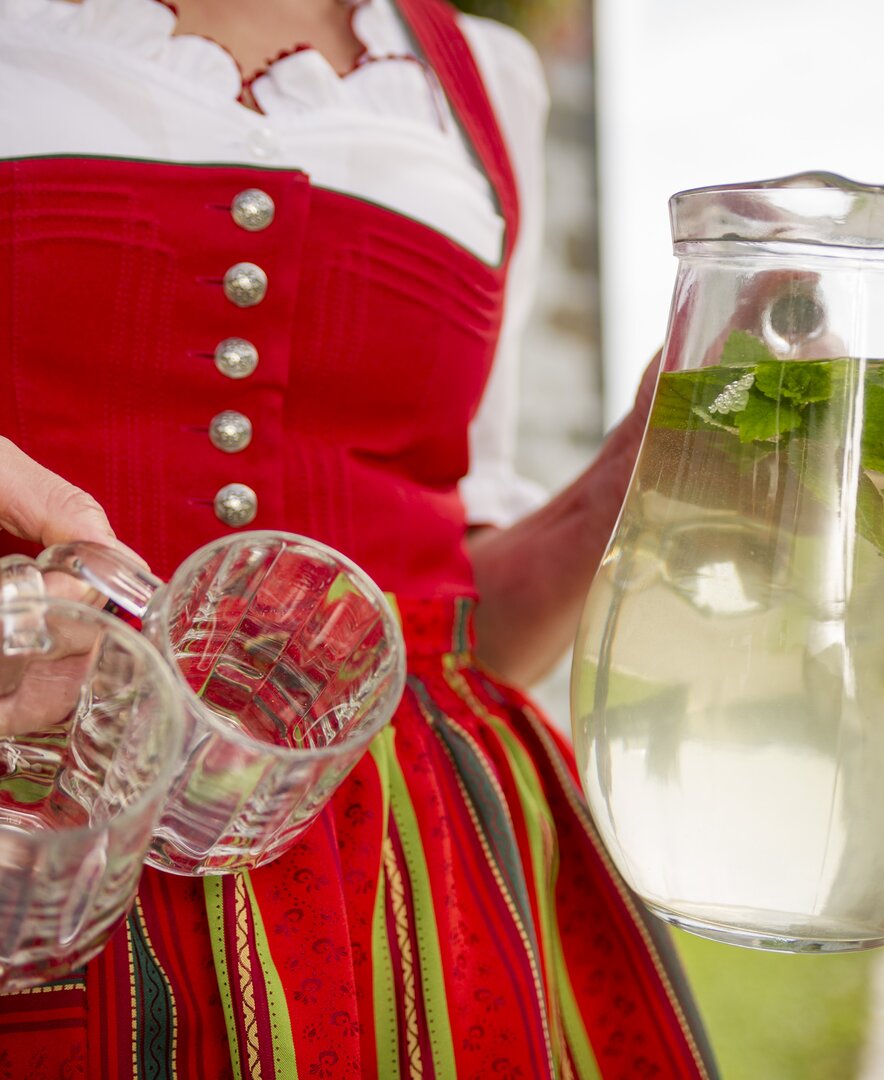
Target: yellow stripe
[
  {"x": 567, "y": 1013},
  {"x": 133, "y": 1012},
  {"x": 244, "y": 972},
  {"x": 432, "y": 975},
  {"x": 541, "y": 853},
  {"x": 284, "y": 1058},
  {"x": 51, "y": 989},
  {"x": 213, "y": 892},
  {"x": 383, "y": 987},
  {"x": 403, "y": 939}
]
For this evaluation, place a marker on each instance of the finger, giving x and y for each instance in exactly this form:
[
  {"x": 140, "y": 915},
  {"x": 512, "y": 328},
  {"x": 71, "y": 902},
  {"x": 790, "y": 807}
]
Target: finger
[
  {"x": 39, "y": 690},
  {"x": 37, "y": 504},
  {"x": 45, "y": 693}
]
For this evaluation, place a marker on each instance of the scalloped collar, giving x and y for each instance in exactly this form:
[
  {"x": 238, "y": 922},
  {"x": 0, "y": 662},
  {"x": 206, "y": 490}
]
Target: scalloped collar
[{"x": 299, "y": 80}]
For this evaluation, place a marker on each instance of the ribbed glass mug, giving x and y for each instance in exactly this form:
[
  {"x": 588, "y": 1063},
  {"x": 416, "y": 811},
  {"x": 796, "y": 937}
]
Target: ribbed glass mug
[
  {"x": 90, "y": 734},
  {"x": 728, "y": 679},
  {"x": 288, "y": 659}
]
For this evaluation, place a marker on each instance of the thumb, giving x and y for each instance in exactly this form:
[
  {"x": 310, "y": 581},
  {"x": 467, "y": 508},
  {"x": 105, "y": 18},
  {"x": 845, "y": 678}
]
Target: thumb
[{"x": 37, "y": 504}]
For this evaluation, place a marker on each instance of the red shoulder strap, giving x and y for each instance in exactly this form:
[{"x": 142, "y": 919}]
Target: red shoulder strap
[{"x": 434, "y": 25}]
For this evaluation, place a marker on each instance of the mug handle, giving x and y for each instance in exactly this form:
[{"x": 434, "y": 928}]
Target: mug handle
[
  {"x": 121, "y": 579},
  {"x": 23, "y": 630}
]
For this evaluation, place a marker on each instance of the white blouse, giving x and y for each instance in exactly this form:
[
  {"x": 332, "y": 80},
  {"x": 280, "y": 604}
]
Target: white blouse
[{"x": 110, "y": 77}]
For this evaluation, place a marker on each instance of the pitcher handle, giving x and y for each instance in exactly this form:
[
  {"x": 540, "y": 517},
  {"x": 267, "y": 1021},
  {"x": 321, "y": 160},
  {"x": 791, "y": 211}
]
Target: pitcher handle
[{"x": 117, "y": 576}]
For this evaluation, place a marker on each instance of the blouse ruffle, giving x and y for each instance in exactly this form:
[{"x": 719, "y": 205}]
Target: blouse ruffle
[{"x": 386, "y": 76}]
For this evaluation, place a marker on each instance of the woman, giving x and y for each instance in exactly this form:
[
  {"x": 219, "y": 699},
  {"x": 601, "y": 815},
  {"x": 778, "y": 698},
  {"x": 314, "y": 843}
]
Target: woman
[{"x": 301, "y": 340}]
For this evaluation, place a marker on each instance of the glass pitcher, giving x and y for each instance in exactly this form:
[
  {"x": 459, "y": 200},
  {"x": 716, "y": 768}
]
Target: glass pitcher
[{"x": 728, "y": 679}]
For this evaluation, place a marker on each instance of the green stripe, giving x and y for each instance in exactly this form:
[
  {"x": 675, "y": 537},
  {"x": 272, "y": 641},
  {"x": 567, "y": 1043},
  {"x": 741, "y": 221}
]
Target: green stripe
[
  {"x": 575, "y": 1029},
  {"x": 383, "y": 986},
  {"x": 459, "y": 637},
  {"x": 487, "y": 804},
  {"x": 153, "y": 1008},
  {"x": 284, "y": 1057},
  {"x": 535, "y": 808},
  {"x": 426, "y": 931},
  {"x": 212, "y": 887}
]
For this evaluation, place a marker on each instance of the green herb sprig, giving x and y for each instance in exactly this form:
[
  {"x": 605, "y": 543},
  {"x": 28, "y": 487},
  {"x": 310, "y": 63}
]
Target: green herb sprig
[{"x": 768, "y": 405}]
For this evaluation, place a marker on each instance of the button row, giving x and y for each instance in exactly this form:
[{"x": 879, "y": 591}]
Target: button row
[{"x": 245, "y": 285}]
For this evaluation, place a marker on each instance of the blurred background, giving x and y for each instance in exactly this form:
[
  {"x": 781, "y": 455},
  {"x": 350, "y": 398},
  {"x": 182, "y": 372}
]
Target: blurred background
[{"x": 650, "y": 97}]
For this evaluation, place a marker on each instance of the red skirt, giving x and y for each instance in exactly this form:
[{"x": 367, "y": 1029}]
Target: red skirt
[{"x": 451, "y": 914}]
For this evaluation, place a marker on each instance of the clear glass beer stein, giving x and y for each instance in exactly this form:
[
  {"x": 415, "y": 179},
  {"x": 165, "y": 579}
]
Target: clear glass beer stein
[
  {"x": 288, "y": 659},
  {"x": 90, "y": 735},
  {"x": 728, "y": 678}
]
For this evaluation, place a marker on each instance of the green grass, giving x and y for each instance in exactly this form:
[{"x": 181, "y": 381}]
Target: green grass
[{"x": 772, "y": 1016}]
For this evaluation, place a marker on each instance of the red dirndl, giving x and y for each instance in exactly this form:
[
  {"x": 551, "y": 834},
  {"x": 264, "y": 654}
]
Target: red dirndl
[{"x": 452, "y": 912}]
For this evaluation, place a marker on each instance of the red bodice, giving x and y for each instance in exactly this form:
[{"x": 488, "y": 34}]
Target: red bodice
[{"x": 375, "y": 339}]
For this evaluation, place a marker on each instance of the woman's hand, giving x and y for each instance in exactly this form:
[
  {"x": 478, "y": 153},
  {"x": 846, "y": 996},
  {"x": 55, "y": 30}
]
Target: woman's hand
[
  {"x": 533, "y": 577},
  {"x": 38, "y": 505}
]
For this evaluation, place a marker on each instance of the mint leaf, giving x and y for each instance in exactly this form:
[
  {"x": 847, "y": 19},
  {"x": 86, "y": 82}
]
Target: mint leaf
[
  {"x": 773, "y": 399},
  {"x": 743, "y": 349},
  {"x": 873, "y": 425},
  {"x": 870, "y": 512},
  {"x": 802, "y": 381},
  {"x": 766, "y": 419},
  {"x": 798, "y": 406},
  {"x": 683, "y": 398},
  {"x": 812, "y": 463}
]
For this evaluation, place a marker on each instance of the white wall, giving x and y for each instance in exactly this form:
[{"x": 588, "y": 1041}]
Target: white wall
[{"x": 696, "y": 92}]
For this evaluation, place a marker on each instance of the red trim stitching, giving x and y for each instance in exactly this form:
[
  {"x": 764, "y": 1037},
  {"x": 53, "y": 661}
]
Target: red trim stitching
[
  {"x": 361, "y": 57},
  {"x": 245, "y": 83}
]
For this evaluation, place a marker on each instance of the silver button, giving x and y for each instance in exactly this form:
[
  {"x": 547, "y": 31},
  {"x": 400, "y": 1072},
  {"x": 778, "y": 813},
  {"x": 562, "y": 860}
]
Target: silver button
[
  {"x": 253, "y": 209},
  {"x": 245, "y": 284},
  {"x": 236, "y": 358},
  {"x": 236, "y": 505},
  {"x": 230, "y": 431}
]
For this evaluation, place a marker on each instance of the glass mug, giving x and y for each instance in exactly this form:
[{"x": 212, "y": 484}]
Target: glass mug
[
  {"x": 728, "y": 676},
  {"x": 288, "y": 659},
  {"x": 90, "y": 735}
]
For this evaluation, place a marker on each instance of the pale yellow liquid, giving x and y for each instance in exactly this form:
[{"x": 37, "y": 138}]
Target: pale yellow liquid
[{"x": 729, "y": 699}]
